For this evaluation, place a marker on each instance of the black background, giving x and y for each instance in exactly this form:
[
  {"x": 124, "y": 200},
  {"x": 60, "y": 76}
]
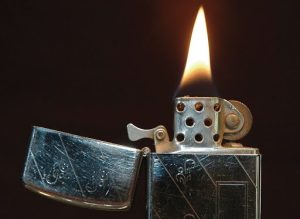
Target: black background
[{"x": 91, "y": 67}]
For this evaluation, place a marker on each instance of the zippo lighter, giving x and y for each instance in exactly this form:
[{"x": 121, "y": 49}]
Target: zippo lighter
[{"x": 193, "y": 176}]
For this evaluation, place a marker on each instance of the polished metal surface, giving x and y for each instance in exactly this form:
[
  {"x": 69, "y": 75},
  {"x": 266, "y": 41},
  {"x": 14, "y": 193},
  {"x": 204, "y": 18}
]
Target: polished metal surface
[
  {"x": 159, "y": 134},
  {"x": 208, "y": 121},
  {"x": 215, "y": 120},
  {"x": 188, "y": 177},
  {"x": 204, "y": 179},
  {"x": 80, "y": 170},
  {"x": 237, "y": 134},
  {"x": 201, "y": 186}
]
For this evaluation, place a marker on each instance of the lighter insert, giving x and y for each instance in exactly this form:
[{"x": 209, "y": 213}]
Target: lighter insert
[{"x": 193, "y": 176}]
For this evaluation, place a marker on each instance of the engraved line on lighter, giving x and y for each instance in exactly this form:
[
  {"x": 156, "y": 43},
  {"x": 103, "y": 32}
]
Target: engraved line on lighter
[
  {"x": 156, "y": 213},
  {"x": 244, "y": 170},
  {"x": 189, "y": 215},
  {"x": 203, "y": 158},
  {"x": 76, "y": 177},
  {"x": 112, "y": 181},
  {"x": 233, "y": 183},
  {"x": 102, "y": 154},
  {"x": 246, "y": 201},
  {"x": 38, "y": 169},
  {"x": 110, "y": 168},
  {"x": 108, "y": 190},
  {"x": 178, "y": 187},
  {"x": 169, "y": 195},
  {"x": 114, "y": 186},
  {"x": 59, "y": 150},
  {"x": 218, "y": 200},
  {"x": 212, "y": 180},
  {"x": 258, "y": 182}
]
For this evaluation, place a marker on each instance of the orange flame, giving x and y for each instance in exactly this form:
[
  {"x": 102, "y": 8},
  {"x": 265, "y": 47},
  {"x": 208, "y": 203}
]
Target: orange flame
[{"x": 198, "y": 61}]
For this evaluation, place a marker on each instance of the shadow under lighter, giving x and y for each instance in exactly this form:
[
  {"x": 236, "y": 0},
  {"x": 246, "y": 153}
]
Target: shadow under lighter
[{"x": 193, "y": 176}]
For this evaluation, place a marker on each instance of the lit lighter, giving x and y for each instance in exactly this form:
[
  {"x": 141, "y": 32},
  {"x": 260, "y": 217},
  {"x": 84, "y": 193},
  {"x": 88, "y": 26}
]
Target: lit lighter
[{"x": 192, "y": 176}]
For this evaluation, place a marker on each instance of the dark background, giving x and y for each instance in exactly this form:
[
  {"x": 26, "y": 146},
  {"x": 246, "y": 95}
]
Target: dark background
[{"x": 91, "y": 67}]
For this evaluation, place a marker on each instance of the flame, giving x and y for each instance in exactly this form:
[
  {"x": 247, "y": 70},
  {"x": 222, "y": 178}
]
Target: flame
[{"x": 198, "y": 61}]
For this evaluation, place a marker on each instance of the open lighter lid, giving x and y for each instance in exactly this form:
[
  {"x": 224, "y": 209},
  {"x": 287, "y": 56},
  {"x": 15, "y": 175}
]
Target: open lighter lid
[{"x": 81, "y": 171}]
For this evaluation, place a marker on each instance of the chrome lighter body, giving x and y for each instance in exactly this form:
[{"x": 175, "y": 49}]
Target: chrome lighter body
[
  {"x": 204, "y": 185},
  {"x": 200, "y": 178},
  {"x": 81, "y": 171},
  {"x": 193, "y": 176}
]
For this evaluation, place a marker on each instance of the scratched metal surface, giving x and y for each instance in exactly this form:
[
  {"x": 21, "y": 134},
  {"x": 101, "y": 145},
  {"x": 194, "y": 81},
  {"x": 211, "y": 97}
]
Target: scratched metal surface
[
  {"x": 80, "y": 170},
  {"x": 190, "y": 186}
]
